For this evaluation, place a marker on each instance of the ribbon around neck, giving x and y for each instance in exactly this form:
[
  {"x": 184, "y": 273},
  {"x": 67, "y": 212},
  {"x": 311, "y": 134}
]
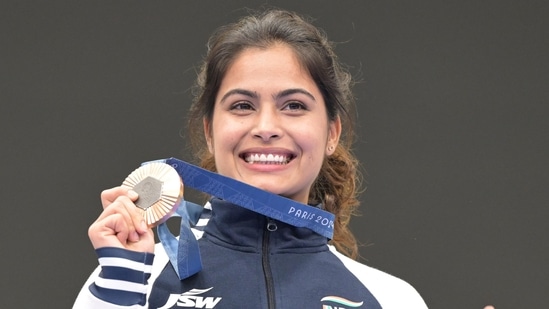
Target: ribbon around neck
[{"x": 184, "y": 254}]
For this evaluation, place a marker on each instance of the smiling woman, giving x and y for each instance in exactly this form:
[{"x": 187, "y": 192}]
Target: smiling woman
[
  {"x": 270, "y": 106},
  {"x": 272, "y": 110}
]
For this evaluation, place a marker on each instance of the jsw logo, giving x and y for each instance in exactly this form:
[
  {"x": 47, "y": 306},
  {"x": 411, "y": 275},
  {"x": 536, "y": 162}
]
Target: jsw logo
[{"x": 190, "y": 299}]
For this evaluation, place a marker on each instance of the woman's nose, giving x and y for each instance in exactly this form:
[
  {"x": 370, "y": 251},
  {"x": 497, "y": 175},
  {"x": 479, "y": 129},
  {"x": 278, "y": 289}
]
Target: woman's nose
[{"x": 267, "y": 124}]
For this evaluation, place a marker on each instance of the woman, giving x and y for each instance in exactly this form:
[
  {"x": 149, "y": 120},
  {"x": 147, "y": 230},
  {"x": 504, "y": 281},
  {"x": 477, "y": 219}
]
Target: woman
[{"x": 272, "y": 110}]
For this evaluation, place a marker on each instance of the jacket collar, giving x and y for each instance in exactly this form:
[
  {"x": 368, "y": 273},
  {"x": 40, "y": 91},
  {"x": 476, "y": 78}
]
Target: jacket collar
[{"x": 234, "y": 226}]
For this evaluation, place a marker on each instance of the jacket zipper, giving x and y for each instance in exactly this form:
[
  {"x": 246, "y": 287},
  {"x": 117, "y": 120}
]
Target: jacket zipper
[{"x": 271, "y": 227}]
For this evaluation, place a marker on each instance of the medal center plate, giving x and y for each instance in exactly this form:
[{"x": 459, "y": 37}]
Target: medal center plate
[{"x": 149, "y": 190}]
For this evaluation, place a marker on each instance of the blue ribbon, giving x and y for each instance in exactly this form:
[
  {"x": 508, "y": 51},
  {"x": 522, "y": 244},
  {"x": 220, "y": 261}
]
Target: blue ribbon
[
  {"x": 271, "y": 205},
  {"x": 184, "y": 254}
]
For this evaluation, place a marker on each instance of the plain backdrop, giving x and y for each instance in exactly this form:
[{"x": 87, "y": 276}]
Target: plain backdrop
[{"x": 453, "y": 134}]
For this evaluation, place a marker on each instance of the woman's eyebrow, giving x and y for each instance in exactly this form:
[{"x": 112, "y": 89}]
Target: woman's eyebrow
[
  {"x": 244, "y": 92},
  {"x": 291, "y": 91},
  {"x": 276, "y": 96}
]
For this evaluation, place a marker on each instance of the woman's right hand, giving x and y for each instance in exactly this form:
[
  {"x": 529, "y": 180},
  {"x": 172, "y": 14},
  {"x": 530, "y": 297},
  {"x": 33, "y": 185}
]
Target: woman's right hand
[{"x": 121, "y": 223}]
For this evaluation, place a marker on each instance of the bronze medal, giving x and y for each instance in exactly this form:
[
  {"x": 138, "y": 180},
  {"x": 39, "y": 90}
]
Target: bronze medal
[{"x": 160, "y": 191}]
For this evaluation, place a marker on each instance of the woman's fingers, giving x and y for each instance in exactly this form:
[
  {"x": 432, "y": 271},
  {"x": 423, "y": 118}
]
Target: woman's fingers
[
  {"x": 124, "y": 206},
  {"x": 121, "y": 223},
  {"x": 110, "y": 195},
  {"x": 110, "y": 231},
  {"x": 113, "y": 231}
]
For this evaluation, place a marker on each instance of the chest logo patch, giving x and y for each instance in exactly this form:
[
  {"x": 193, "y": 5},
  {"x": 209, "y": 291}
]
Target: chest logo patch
[
  {"x": 339, "y": 303},
  {"x": 191, "y": 299}
]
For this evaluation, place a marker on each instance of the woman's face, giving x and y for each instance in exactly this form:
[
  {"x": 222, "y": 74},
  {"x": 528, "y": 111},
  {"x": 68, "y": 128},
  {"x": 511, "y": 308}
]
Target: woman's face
[{"x": 270, "y": 127}]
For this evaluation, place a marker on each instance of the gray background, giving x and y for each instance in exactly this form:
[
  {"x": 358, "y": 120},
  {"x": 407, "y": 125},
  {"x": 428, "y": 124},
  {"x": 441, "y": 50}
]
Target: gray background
[{"x": 453, "y": 134}]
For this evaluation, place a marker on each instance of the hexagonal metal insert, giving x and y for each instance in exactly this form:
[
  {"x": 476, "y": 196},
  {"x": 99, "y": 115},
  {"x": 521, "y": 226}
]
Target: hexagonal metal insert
[{"x": 149, "y": 190}]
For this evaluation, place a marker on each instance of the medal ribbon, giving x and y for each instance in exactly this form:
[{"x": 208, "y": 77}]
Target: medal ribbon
[
  {"x": 271, "y": 205},
  {"x": 183, "y": 253}
]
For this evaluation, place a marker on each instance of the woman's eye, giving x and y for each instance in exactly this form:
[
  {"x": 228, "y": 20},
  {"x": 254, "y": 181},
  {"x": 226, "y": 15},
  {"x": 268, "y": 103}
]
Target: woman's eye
[
  {"x": 242, "y": 106},
  {"x": 295, "y": 106}
]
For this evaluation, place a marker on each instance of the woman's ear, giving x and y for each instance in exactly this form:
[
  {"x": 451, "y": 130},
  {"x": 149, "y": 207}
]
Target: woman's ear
[
  {"x": 334, "y": 132},
  {"x": 207, "y": 134}
]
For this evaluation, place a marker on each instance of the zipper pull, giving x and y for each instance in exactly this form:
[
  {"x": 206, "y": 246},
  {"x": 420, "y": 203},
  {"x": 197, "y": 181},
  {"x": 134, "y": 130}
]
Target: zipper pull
[{"x": 271, "y": 225}]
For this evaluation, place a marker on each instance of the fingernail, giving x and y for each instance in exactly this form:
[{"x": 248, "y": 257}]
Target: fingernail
[{"x": 132, "y": 194}]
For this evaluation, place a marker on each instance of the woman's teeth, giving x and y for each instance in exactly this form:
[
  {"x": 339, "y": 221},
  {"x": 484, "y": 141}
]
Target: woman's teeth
[{"x": 267, "y": 159}]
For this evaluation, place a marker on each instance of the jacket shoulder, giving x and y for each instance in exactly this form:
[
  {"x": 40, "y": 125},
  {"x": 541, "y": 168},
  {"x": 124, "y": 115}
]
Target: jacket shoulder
[{"x": 390, "y": 291}]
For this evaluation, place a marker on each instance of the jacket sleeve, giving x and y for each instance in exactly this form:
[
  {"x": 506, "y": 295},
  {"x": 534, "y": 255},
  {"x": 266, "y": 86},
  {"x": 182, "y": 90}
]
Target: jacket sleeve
[
  {"x": 390, "y": 291},
  {"x": 120, "y": 280}
]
